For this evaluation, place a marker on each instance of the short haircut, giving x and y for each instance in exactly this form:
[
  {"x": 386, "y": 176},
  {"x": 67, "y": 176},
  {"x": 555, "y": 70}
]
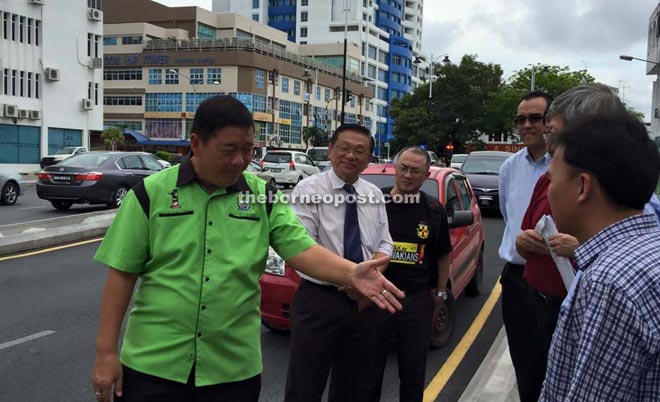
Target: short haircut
[
  {"x": 416, "y": 150},
  {"x": 618, "y": 152},
  {"x": 538, "y": 94},
  {"x": 584, "y": 101},
  {"x": 353, "y": 127},
  {"x": 218, "y": 112}
]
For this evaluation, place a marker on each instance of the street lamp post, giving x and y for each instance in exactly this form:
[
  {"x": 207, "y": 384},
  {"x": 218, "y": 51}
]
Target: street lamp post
[
  {"x": 183, "y": 114},
  {"x": 532, "y": 84},
  {"x": 630, "y": 58},
  {"x": 343, "y": 77},
  {"x": 432, "y": 62},
  {"x": 311, "y": 91}
]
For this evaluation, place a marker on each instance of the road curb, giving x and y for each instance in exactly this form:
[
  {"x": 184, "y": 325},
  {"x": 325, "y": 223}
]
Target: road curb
[{"x": 17, "y": 238}]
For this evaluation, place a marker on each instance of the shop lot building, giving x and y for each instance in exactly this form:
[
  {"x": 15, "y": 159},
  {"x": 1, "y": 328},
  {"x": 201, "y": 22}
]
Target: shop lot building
[{"x": 160, "y": 62}]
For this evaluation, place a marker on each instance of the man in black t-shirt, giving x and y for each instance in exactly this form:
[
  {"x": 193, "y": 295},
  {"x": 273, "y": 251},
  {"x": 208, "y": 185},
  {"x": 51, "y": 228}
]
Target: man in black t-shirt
[{"x": 419, "y": 263}]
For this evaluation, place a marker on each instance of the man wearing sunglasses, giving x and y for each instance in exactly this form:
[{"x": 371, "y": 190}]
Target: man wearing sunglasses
[{"x": 518, "y": 175}]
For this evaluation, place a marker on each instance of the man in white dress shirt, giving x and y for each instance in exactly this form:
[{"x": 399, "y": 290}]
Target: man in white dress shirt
[{"x": 330, "y": 333}]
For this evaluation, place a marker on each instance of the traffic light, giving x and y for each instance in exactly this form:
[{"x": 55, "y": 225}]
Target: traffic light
[
  {"x": 348, "y": 96},
  {"x": 449, "y": 147}
]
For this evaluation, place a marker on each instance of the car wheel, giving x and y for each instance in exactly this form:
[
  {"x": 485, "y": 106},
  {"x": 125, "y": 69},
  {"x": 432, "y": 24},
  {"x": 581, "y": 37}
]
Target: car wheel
[
  {"x": 9, "y": 193},
  {"x": 61, "y": 205},
  {"x": 118, "y": 196},
  {"x": 474, "y": 288},
  {"x": 444, "y": 319}
]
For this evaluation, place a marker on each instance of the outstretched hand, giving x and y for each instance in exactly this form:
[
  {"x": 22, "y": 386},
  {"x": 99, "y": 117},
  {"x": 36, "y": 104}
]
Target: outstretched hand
[{"x": 368, "y": 279}]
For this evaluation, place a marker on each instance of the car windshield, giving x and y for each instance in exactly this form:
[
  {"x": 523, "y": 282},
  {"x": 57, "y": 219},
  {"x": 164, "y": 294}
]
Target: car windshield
[
  {"x": 483, "y": 164},
  {"x": 254, "y": 167},
  {"x": 66, "y": 151},
  {"x": 458, "y": 158},
  {"x": 85, "y": 160},
  {"x": 429, "y": 186},
  {"x": 277, "y": 158},
  {"x": 318, "y": 154}
]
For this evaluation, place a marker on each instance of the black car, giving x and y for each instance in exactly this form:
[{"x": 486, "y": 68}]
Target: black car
[
  {"x": 483, "y": 171},
  {"x": 94, "y": 178}
]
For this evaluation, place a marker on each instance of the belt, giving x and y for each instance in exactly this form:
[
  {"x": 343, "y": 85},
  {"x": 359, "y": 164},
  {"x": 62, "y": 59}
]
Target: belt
[
  {"x": 555, "y": 301},
  {"x": 321, "y": 286}
]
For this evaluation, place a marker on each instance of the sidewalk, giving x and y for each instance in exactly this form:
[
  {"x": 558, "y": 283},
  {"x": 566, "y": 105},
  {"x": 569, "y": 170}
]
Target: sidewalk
[{"x": 495, "y": 380}]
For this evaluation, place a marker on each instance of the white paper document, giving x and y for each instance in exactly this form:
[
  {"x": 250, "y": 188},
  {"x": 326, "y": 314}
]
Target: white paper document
[{"x": 546, "y": 228}]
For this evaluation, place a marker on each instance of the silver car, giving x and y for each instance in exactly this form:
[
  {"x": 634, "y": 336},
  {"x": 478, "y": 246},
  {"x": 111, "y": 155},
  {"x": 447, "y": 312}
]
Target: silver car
[{"x": 11, "y": 185}]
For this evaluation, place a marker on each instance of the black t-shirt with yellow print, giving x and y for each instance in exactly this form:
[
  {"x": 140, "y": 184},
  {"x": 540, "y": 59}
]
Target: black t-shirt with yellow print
[{"x": 420, "y": 235}]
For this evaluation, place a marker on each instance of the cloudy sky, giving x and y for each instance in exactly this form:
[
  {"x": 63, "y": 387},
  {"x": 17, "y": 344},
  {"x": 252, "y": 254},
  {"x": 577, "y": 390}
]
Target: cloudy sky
[{"x": 579, "y": 34}]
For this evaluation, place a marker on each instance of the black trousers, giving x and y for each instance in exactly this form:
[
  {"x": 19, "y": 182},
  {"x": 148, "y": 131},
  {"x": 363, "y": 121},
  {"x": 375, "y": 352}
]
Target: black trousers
[
  {"x": 410, "y": 329},
  {"x": 542, "y": 314},
  {"x": 514, "y": 297},
  {"x": 141, "y": 387},
  {"x": 328, "y": 337}
]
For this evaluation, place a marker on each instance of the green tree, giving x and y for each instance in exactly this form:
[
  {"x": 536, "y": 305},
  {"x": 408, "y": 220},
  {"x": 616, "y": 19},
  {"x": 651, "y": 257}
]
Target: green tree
[
  {"x": 318, "y": 139},
  {"x": 459, "y": 97},
  {"x": 501, "y": 106},
  {"x": 113, "y": 136}
]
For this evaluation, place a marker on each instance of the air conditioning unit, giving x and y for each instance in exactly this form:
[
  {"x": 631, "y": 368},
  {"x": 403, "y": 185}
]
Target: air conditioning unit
[
  {"x": 87, "y": 104},
  {"x": 38, "y": 2},
  {"x": 11, "y": 111},
  {"x": 23, "y": 114},
  {"x": 35, "y": 114},
  {"x": 52, "y": 74},
  {"x": 95, "y": 63},
  {"x": 94, "y": 14}
]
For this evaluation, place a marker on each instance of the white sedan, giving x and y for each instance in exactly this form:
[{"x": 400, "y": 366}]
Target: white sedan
[{"x": 11, "y": 186}]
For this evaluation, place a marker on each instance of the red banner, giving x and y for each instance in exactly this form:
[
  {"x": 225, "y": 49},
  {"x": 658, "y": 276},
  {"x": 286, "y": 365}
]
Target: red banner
[{"x": 504, "y": 147}]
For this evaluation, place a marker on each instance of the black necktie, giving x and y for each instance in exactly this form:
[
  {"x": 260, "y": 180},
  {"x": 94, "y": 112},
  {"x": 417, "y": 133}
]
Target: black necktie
[{"x": 352, "y": 243}]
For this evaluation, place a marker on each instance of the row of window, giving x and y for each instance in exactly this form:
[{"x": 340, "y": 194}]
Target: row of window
[
  {"x": 93, "y": 49},
  {"x": 19, "y": 28},
  {"x": 122, "y": 100},
  {"x": 196, "y": 76},
  {"x": 130, "y": 74},
  {"x": 130, "y": 125},
  {"x": 93, "y": 92},
  {"x": 21, "y": 83},
  {"x": 125, "y": 40}
]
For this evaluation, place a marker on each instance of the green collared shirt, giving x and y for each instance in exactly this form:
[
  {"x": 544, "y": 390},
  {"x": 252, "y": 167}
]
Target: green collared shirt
[{"x": 199, "y": 257}]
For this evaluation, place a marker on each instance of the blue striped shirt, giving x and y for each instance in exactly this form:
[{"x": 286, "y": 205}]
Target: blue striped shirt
[
  {"x": 518, "y": 176},
  {"x": 607, "y": 343}
]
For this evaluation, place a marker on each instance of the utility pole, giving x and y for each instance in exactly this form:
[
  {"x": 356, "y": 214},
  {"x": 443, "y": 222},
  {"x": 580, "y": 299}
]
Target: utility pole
[{"x": 343, "y": 78}]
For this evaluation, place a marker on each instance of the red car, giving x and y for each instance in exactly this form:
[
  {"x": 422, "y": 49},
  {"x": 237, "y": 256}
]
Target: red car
[{"x": 452, "y": 188}]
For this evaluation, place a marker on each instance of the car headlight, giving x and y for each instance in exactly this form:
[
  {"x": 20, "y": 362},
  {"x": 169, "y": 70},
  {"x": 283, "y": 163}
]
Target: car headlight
[{"x": 274, "y": 263}]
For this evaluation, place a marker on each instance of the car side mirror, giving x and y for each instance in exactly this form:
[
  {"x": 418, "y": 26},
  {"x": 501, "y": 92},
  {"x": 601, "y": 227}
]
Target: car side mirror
[{"x": 460, "y": 218}]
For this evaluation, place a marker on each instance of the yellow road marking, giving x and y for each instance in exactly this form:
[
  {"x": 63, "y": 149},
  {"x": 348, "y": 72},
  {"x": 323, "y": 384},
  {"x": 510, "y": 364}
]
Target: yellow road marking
[
  {"x": 440, "y": 380},
  {"x": 48, "y": 250}
]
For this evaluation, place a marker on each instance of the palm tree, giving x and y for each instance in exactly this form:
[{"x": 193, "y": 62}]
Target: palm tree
[{"x": 113, "y": 136}]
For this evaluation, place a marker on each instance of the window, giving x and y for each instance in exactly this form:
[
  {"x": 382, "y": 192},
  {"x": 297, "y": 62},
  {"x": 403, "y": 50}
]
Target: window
[
  {"x": 90, "y": 41},
  {"x": 89, "y": 90},
  {"x": 94, "y": 4},
  {"x": 5, "y": 26},
  {"x": 162, "y": 128},
  {"x": 255, "y": 17},
  {"x": 259, "y": 78},
  {"x": 155, "y": 76},
  {"x": 371, "y": 71},
  {"x": 109, "y": 100},
  {"x": 396, "y": 59},
  {"x": 327, "y": 94},
  {"x": 21, "y": 83},
  {"x": 163, "y": 102},
  {"x": 13, "y": 82},
  {"x": 205, "y": 31},
  {"x": 30, "y": 23},
  {"x": 131, "y": 40},
  {"x": 96, "y": 93},
  {"x": 129, "y": 74},
  {"x": 5, "y": 81},
  {"x": 285, "y": 85},
  {"x": 37, "y": 32},
  {"x": 37, "y": 85},
  {"x": 303, "y": 16},
  {"x": 196, "y": 76},
  {"x": 464, "y": 193},
  {"x": 21, "y": 28},
  {"x": 213, "y": 75},
  {"x": 303, "y": 32},
  {"x": 109, "y": 40},
  {"x": 382, "y": 75},
  {"x": 304, "y": 3},
  {"x": 373, "y": 52},
  {"x": 255, "y": 3},
  {"x": 296, "y": 87},
  {"x": 97, "y": 39},
  {"x": 172, "y": 76},
  {"x": 29, "y": 85},
  {"x": 14, "y": 17},
  {"x": 318, "y": 93}
]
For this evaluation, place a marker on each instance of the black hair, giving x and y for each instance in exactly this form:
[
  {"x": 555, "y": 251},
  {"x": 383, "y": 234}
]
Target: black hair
[
  {"x": 353, "y": 127},
  {"x": 538, "y": 94},
  {"x": 218, "y": 112},
  {"x": 618, "y": 152}
]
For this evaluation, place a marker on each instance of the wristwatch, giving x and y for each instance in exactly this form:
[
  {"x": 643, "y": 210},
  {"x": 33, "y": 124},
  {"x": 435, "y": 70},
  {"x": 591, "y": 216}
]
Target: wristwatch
[{"x": 443, "y": 294}]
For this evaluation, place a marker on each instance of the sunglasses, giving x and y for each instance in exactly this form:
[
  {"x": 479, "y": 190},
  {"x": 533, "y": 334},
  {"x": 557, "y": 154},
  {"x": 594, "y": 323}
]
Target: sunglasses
[{"x": 533, "y": 119}]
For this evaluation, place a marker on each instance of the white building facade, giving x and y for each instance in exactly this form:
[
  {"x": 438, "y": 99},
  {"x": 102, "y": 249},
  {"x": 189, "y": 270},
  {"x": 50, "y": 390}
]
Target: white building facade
[
  {"x": 388, "y": 33},
  {"x": 653, "y": 54},
  {"x": 51, "y": 88}
]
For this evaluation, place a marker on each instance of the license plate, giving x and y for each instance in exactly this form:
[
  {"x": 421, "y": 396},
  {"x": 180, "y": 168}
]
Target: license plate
[
  {"x": 62, "y": 178},
  {"x": 485, "y": 200},
  {"x": 275, "y": 170}
]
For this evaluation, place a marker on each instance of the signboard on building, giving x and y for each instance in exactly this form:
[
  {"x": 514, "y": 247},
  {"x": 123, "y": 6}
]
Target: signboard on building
[
  {"x": 261, "y": 116},
  {"x": 504, "y": 147}
]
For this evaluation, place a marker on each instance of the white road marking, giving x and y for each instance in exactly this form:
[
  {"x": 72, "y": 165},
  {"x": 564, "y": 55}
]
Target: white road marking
[
  {"x": 26, "y": 339},
  {"x": 43, "y": 206}
]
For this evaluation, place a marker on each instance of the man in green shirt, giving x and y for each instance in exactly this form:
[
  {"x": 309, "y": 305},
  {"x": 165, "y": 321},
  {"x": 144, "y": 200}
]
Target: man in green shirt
[{"x": 198, "y": 245}]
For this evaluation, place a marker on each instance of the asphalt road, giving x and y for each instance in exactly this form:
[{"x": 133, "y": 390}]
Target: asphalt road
[{"x": 60, "y": 291}]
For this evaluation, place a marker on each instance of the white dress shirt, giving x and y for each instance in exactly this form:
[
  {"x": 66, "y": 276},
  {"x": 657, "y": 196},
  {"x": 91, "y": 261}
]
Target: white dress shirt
[{"x": 325, "y": 221}]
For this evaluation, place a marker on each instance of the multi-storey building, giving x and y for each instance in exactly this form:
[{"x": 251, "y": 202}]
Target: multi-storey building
[
  {"x": 653, "y": 68},
  {"x": 51, "y": 85},
  {"x": 161, "y": 62},
  {"x": 387, "y": 32}
]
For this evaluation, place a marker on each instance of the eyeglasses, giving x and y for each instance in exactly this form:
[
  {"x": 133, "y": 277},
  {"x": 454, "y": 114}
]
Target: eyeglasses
[
  {"x": 357, "y": 151},
  {"x": 413, "y": 171},
  {"x": 533, "y": 119}
]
